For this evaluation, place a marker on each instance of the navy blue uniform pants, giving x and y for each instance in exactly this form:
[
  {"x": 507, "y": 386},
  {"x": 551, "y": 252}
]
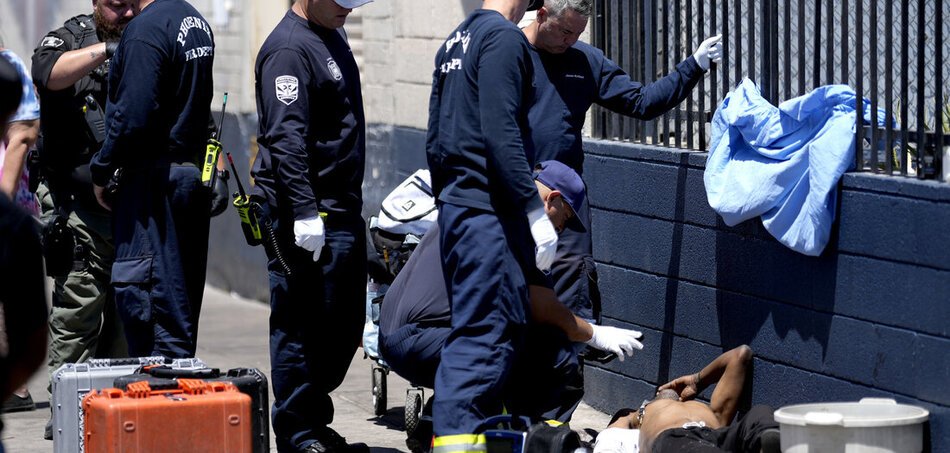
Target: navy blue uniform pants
[
  {"x": 162, "y": 218},
  {"x": 483, "y": 258},
  {"x": 574, "y": 273},
  {"x": 316, "y": 323},
  {"x": 541, "y": 383},
  {"x": 414, "y": 351}
]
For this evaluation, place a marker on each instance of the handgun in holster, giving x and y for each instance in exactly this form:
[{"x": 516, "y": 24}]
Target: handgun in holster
[
  {"x": 59, "y": 246},
  {"x": 95, "y": 119}
]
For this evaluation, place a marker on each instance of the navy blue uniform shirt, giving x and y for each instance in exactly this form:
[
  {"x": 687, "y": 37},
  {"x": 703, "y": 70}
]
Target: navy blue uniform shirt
[
  {"x": 418, "y": 294},
  {"x": 311, "y": 129},
  {"x": 567, "y": 85},
  {"x": 478, "y": 143},
  {"x": 160, "y": 90}
]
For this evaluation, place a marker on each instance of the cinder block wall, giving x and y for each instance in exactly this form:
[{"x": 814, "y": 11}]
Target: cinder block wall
[
  {"x": 400, "y": 40},
  {"x": 868, "y": 318}
]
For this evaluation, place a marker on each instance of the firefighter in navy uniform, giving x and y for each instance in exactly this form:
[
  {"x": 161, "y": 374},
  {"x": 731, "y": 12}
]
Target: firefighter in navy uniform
[
  {"x": 159, "y": 102},
  {"x": 311, "y": 161},
  {"x": 570, "y": 75},
  {"x": 70, "y": 72},
  {"x": 495, "y": 236}
]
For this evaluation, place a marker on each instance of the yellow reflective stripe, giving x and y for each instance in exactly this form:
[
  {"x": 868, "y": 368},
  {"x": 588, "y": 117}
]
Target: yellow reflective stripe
[
  {"x": 553, "y": 423},
  {"x": 459, "y": 443}
]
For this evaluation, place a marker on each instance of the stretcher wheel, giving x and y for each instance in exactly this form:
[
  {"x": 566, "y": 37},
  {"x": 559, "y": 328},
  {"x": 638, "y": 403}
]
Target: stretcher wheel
[
  {"x": 379, "y": 389},
  {"x": 413, "y": 411},
  {"x": 418, "y": 420}
]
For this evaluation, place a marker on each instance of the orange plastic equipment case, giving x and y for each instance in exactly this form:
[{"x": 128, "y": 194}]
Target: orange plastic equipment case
[{"x": 199, "y": 416}]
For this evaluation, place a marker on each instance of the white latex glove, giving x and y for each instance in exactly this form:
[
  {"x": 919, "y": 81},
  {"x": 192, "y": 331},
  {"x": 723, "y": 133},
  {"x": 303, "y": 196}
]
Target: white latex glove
[
  {"x": 709, "y": 50},
  {"x": 309, "y": 235},
  {"x": 545, "y": 238},
  {"x": 615, "y": 340}
]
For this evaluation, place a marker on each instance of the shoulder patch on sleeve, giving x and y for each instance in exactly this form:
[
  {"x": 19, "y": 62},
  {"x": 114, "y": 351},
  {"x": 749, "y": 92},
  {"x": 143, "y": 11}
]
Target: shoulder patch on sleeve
[
  {"x": 51, "y": 41},
  {"x": 287, "y": 87}
]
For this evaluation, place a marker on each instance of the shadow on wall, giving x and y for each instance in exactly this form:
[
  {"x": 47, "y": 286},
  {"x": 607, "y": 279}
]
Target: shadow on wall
[
  {"x": 772, "y": 297},
  {"x": 673, "y": 268}
]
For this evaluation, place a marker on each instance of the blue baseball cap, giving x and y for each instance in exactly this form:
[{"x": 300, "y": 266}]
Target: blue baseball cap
[
  {"x": 535, "y": 4},
  {"x": 351, "y": 3},
  {"x": 564, "y": 179}
]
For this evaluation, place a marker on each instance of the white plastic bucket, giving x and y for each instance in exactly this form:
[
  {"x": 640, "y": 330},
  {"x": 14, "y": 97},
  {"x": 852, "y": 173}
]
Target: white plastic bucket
[{"x": 873, "y": 425}]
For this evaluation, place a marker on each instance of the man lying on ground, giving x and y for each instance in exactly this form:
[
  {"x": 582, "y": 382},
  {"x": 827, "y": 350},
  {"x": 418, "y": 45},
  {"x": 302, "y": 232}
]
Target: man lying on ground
[{"x": 674, "y": 422}]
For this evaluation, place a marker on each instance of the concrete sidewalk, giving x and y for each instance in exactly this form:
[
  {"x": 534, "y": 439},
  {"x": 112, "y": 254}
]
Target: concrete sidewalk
[{"x": 233, "y": 333}]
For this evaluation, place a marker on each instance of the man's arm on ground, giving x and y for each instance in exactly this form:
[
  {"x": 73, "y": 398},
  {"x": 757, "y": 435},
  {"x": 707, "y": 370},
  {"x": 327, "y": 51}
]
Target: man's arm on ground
[
  {"x": 546, "y": 309},
  {"x": 728, "y": 372}
]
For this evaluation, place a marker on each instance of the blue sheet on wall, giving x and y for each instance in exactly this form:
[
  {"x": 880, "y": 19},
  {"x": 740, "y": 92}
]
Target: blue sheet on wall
[{"x": 784, "y": 163}]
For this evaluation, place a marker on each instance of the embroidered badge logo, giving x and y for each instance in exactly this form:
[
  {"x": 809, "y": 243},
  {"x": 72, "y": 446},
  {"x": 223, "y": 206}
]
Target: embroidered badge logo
[
  {"x": 334, "y": 69},
  {"x": 286, "y": 89},
  {"x": 51, "y": 41}
]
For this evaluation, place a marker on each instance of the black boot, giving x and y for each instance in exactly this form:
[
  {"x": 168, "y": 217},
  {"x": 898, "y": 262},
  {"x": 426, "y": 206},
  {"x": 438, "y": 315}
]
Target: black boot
[{"x": 329, "y": 441}]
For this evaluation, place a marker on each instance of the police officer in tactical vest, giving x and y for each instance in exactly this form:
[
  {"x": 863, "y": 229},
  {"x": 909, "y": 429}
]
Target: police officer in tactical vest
[{"x": 70, "y": 70}]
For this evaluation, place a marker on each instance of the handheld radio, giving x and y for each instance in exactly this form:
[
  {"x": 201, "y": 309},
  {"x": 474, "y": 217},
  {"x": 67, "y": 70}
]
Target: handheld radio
[
  {"x": 213, "y": 151},
  {"x": 257, "y": 226},
  {"x": 249, "y": 221}
]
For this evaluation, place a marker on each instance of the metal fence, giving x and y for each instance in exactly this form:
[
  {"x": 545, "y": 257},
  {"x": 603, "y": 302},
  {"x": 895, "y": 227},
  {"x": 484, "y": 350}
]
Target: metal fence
[{"x": 890, "y": 52}]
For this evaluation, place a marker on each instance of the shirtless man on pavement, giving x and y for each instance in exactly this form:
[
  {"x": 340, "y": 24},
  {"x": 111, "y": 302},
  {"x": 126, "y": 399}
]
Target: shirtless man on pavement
[{"x": 674, "y": 422}]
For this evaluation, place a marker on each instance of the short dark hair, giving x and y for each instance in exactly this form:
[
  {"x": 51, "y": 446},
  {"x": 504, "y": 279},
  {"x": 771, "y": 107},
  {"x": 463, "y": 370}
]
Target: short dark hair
[{"x": 620, "y": 414}]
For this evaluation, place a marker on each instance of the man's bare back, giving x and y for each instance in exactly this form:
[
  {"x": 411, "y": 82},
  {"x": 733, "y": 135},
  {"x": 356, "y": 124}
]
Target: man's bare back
[{"x": 661, "y": 415}]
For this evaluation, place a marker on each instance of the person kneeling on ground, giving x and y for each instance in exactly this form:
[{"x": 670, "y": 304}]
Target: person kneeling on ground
[
  {"x": 544, "y": 381},
  {"x": 674, "y": 422}
]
